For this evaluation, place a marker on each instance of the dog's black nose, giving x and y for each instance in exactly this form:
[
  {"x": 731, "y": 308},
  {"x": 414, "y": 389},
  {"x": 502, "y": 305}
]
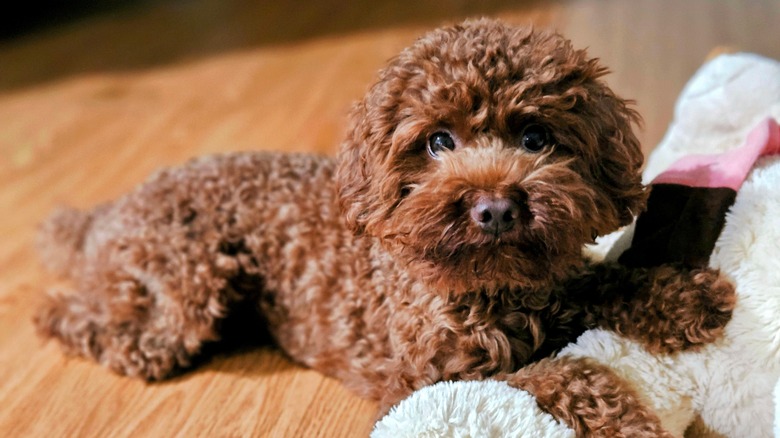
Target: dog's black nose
[{"x": 495, "y": 215}]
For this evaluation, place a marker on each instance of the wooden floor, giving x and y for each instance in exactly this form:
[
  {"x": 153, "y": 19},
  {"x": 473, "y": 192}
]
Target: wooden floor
[{"x": 89, "y": 108}]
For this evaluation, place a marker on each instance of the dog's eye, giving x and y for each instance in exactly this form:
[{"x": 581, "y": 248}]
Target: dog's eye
[
  {"x": 438, "y": 142},
  {"x": 535, "y": 138}
]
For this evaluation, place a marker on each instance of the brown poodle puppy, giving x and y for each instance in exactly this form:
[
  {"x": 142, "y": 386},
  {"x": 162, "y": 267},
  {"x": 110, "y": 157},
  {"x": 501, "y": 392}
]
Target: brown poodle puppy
[{"x": 445, "y": 242}]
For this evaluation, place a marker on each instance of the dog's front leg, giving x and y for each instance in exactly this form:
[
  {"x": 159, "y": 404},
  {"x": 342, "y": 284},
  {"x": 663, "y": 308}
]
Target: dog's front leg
[
  {"x": 588, "y": 397},
  {"x": 667, "y": 308}
]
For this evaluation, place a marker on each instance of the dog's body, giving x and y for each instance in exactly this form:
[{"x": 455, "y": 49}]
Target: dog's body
[
  {"x": 443, "y": 243},
  {"x": 367, "y": 321}
]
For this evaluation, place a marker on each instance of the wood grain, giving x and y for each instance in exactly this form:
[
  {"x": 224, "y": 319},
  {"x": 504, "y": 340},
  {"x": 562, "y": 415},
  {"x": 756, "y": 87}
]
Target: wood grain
[{"x": 89, "y": 109}]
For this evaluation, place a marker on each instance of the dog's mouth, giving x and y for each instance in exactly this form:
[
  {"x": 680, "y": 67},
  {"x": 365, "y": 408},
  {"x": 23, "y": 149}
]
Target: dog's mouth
[
  {"x": 493, "y": 263},
  {"x": 479, "y": 261}
]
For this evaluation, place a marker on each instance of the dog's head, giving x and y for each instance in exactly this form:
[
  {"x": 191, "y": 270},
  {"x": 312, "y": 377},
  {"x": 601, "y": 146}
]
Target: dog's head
[{"x": 486, "y": 155}]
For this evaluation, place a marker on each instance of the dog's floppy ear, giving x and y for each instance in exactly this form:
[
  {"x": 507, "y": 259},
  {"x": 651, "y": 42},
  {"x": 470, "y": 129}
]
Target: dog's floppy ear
[
  {"x": 618, "y": 164},
  {"x": 353, "y": 172},
  {"x": 365, "y": 185}
]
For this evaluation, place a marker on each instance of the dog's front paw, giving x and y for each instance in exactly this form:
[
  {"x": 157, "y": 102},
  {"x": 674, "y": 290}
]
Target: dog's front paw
[{"x": 693, "y": 306}]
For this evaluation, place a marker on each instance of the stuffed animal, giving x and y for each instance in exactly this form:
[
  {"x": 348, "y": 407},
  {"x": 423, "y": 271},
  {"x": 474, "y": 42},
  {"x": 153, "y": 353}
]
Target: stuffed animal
[{"x": 718, "y": 205}]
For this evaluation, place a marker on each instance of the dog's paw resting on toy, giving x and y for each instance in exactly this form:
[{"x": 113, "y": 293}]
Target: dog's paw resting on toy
[
  {"x": 441, "y": 244},
  {"x": 690, "y": 306}
]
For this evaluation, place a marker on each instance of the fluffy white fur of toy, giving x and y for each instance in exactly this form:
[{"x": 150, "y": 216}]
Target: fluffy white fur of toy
[
  {"x": 730, "y": 388},
  {"x": 470, "y": 409}
]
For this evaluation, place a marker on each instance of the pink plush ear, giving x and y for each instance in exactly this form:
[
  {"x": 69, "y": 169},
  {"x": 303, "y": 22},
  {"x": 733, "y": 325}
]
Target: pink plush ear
[
  {"x": 687, "y": 206},
  {"x": 728, "y": 169}
]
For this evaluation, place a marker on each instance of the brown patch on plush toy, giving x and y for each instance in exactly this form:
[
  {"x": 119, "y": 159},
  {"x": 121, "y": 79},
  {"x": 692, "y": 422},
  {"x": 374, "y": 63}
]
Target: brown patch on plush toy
[{"x": 443, "y": 243}]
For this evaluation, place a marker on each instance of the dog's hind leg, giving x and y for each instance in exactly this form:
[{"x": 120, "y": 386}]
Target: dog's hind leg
[{"x": 147, "y": 308}]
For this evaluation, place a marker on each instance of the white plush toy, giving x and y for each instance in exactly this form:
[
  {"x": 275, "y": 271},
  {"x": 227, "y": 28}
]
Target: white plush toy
[{"x": 729, "y": 388}]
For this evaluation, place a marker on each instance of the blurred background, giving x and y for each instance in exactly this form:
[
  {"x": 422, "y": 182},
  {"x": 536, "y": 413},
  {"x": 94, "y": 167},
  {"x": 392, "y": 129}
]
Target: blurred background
[
  {"x": 95, "y": 95},
  {"x": 317, "y": 56}
]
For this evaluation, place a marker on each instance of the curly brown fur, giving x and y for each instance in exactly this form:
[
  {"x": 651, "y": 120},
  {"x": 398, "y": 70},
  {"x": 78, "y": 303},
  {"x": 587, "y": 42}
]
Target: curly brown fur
[
  {"x": 484, "y": 82},
  {"x": 378, "y": 268},
  {"x": 588, "y": 397},
  {"x": 667, "y": 308}
]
